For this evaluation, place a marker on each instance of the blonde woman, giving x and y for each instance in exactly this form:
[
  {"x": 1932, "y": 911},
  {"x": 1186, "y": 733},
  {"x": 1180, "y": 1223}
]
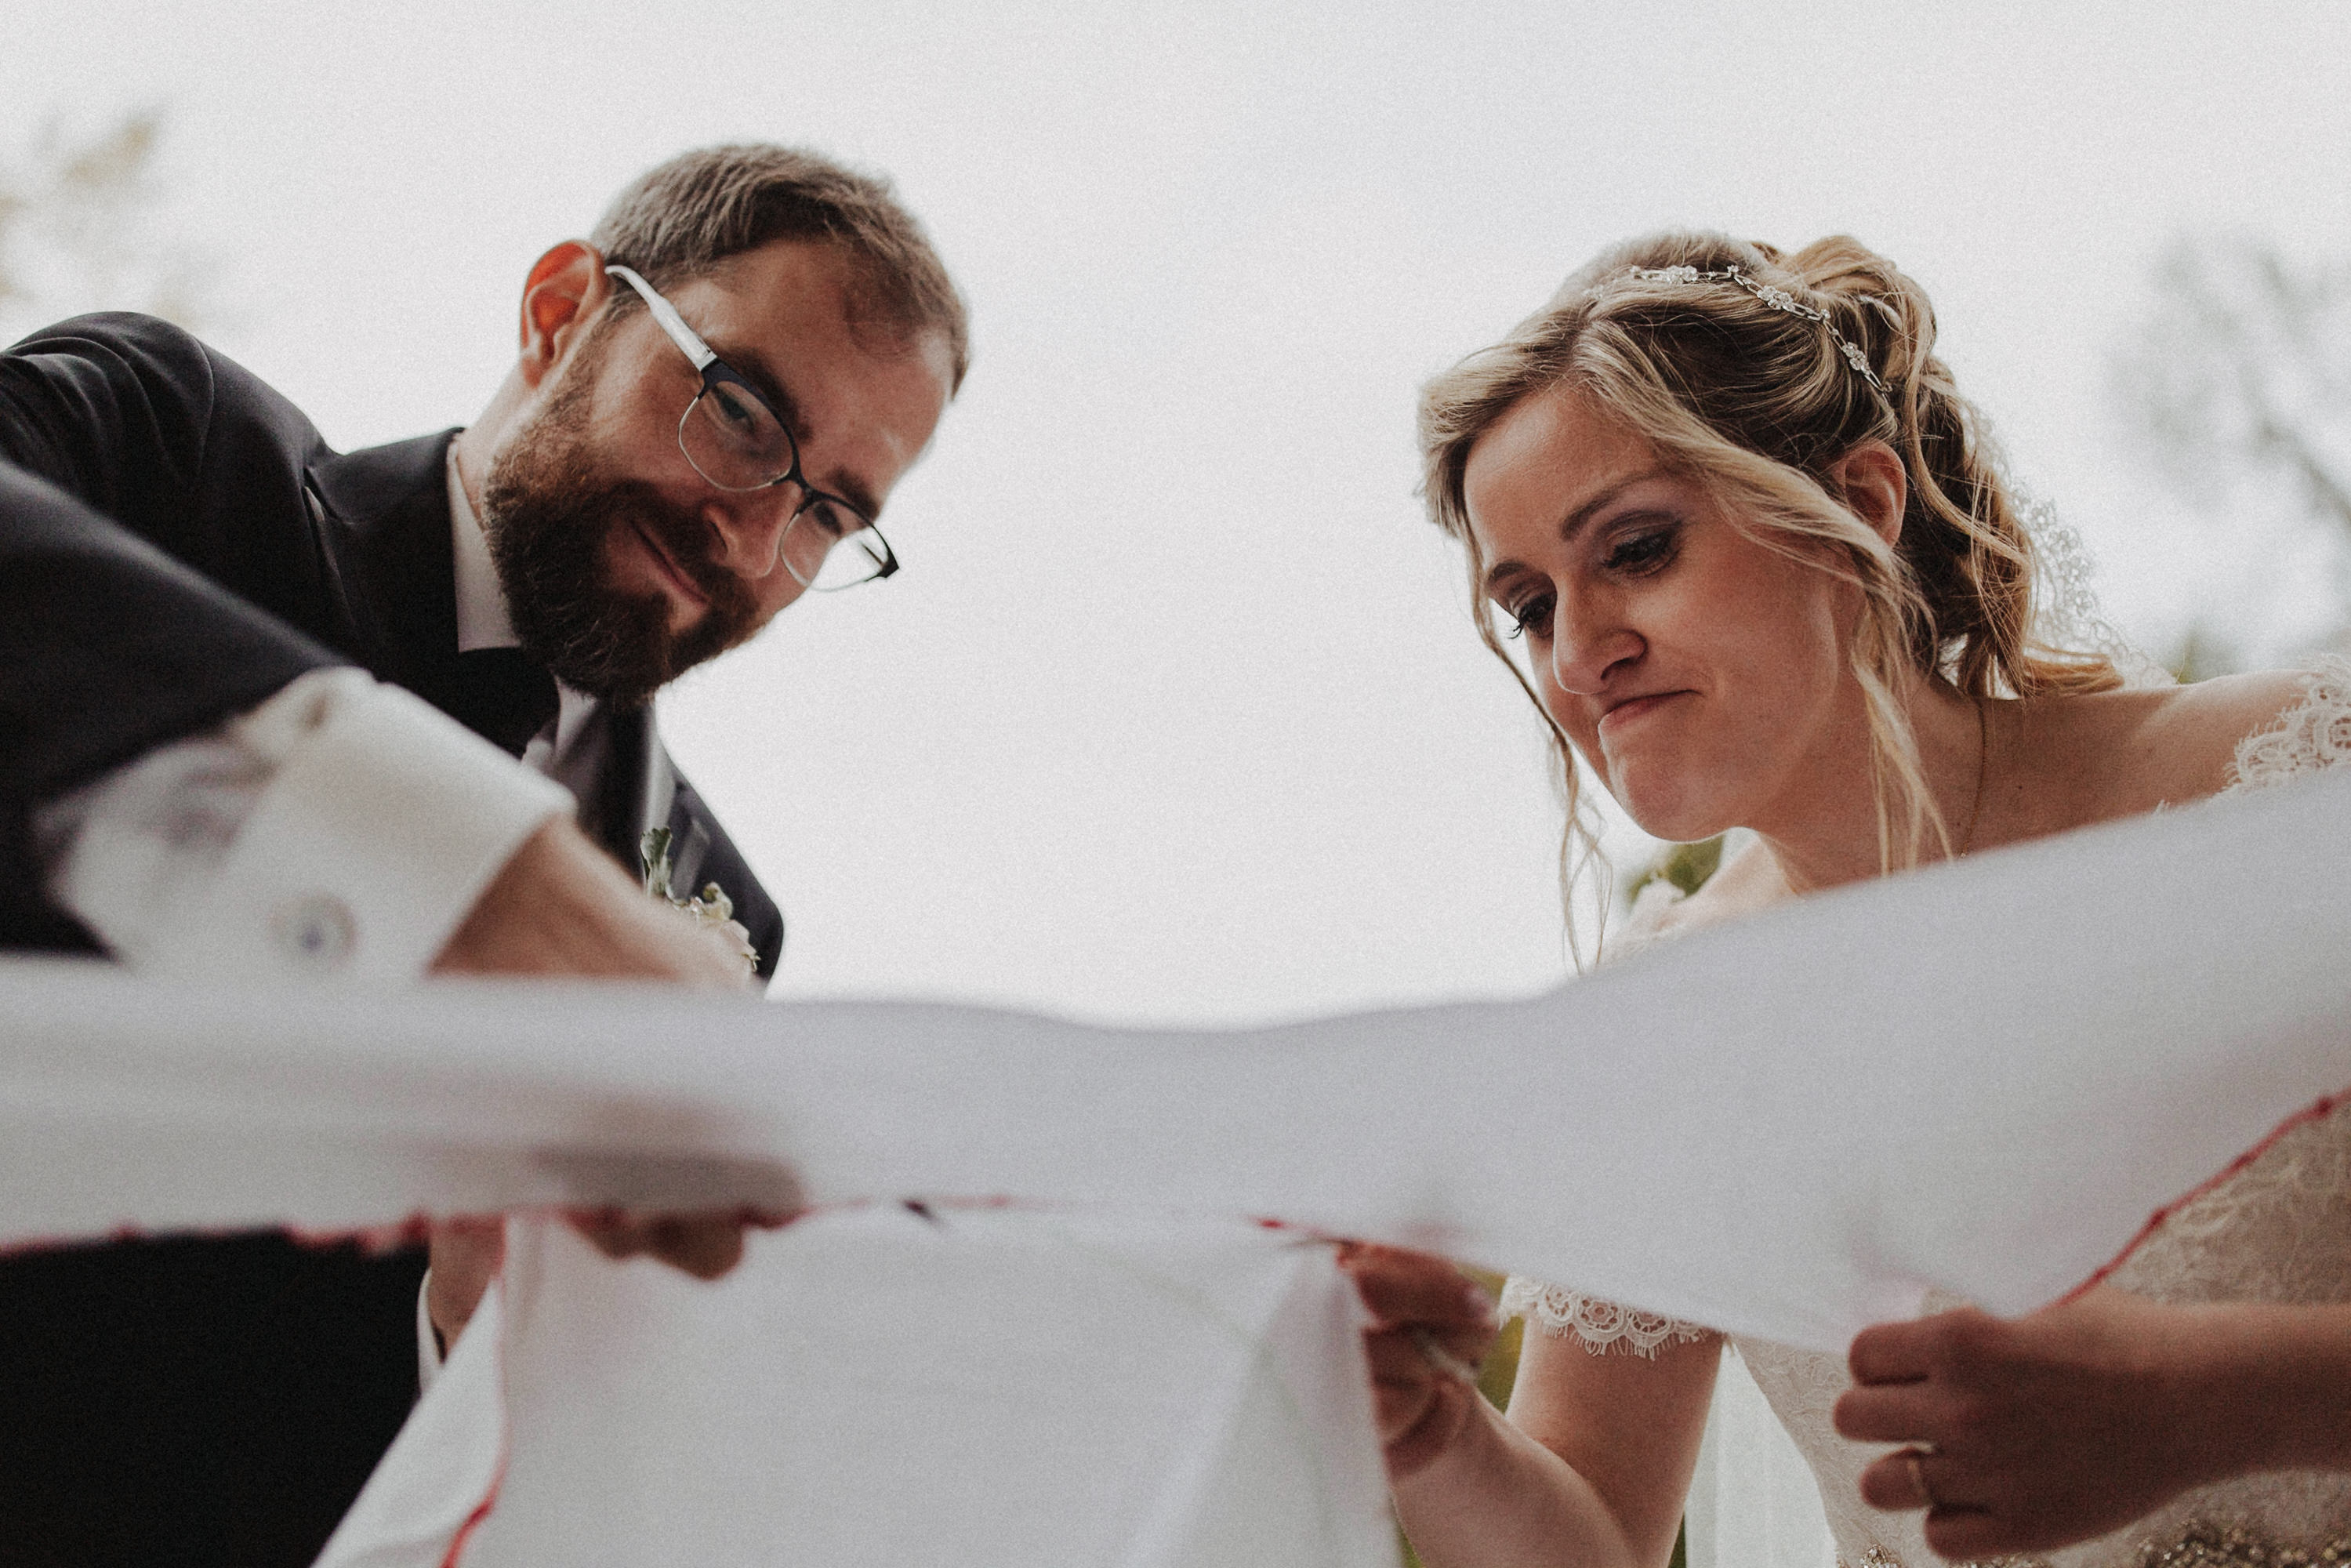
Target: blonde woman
[{"x": 1765, "y": 573}]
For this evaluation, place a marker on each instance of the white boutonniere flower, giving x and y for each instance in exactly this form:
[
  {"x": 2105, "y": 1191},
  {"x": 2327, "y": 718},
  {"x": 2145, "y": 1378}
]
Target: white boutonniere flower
[{"x": 710, "y": 908}]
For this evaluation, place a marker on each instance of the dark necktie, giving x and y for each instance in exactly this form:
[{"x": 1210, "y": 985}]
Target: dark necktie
[{"x": 502, "y": 695}]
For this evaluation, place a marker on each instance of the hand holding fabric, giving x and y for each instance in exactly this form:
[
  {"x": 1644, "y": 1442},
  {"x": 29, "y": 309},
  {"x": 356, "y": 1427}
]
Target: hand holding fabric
[
  {"x": 2074, "y": 1421},
  {"x": 560, "y": 907},
  {"x": 1430, "y": 1327},
  {"x": 468, "y": 1250}
]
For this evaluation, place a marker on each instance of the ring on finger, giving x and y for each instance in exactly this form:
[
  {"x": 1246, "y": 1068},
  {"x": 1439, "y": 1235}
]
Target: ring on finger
[{"x": 1915, "y": 1459}]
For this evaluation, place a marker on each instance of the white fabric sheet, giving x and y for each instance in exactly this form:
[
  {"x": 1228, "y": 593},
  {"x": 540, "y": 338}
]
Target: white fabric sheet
[
  {"x": 991, "y": 1388},
  {"x": 1982, "y": 1077}
]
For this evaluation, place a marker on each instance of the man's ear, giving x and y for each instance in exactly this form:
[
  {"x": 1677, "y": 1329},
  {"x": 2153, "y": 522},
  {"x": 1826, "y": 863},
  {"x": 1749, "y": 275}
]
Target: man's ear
[
  {"x": 1872, "y": 481},
  {"x": 566, "y": 287}
]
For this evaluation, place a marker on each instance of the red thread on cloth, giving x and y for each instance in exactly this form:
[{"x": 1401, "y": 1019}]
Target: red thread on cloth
[
  {"x": 2317, "y": 1110},
  {"x": 473, "y": 1520},
  {"x": 481, "y": 1510},
  {"x": 371, "y": 1239}
]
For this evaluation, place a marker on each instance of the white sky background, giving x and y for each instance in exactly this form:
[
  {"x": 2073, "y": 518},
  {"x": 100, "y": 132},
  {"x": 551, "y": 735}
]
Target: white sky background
[{"x": 1176, "y": 713}]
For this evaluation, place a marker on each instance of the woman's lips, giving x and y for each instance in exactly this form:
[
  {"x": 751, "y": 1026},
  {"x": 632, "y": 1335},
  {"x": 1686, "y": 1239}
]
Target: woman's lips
[{"x": 1633, "y": 710}]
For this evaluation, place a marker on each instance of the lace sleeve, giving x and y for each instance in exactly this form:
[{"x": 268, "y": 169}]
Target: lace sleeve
[
  {"x": 2308, "y": 738},
  {"x": 1599, "y": 1325}
]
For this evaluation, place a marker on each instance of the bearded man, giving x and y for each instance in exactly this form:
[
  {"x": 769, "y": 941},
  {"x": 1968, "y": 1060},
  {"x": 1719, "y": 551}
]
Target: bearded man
[{"x": 230, "y": 662}]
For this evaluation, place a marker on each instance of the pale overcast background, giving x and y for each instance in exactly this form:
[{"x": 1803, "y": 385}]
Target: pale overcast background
[{"x": 1175, "y": 711}]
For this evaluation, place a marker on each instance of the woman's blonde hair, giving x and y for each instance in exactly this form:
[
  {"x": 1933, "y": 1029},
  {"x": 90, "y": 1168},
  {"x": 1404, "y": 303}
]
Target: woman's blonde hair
[{"x": 1757, "y": 402}]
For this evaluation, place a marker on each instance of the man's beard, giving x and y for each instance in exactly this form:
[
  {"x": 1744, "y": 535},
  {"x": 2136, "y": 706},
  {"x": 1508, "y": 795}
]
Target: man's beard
[{"x": 550, "y": 517}]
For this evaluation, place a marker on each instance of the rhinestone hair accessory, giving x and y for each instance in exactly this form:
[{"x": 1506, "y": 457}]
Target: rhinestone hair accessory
[{"x": 1778, "y": 299}]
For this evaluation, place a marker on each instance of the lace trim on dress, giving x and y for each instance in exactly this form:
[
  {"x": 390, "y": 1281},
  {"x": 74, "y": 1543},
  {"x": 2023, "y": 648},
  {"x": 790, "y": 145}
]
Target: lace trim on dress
[
  {"x": 2308, "y": 738},
  {"x": 1600, "y": 1325}
]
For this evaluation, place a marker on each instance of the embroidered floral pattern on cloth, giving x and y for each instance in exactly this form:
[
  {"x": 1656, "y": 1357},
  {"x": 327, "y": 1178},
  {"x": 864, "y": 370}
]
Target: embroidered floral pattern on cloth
[
  {"x": 1875, "y": 1558},
  {"x": 2204, "y": 1546},
  {"x": 2313, "y": 736},
  {"x": 2210, "y": 1546},
  {"x": 2278, "y": 1229}
]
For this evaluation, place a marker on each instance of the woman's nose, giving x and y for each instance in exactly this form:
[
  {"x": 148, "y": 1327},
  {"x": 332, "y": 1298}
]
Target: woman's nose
[{"x": 1588, "y": 646}]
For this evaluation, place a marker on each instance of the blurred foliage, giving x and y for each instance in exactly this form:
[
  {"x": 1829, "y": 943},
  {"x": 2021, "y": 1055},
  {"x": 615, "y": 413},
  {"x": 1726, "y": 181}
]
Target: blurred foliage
[
  {"x": 2202, "y": 654},
  {"x": 2239, "y": 387},
  {"x": 1687, "y": 866},
  {"x": 1500, "y": 1368},
  {"x": 80, "y": 228}
]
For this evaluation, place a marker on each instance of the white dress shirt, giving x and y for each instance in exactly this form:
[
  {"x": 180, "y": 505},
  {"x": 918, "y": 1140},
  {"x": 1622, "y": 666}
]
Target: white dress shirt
[{"x": 340, "y": 830}]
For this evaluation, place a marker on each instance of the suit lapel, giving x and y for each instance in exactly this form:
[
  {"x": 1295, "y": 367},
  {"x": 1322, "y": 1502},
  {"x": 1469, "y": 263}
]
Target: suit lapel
[
  {"x": 636, "y": 789},
  {"x": 386, "y": 531}
]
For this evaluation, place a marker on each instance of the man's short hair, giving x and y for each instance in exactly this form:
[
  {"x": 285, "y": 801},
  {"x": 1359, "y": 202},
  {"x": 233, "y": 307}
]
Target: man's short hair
[{"x": 681, "y": 219}]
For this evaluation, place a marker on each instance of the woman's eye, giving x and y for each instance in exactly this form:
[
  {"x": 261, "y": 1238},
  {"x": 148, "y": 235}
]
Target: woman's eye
[
  {"x": 1644, "y": 552},
  {"x": 1530, "y": 617}
]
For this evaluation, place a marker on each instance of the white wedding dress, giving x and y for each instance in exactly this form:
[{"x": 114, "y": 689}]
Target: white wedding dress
[{"x": 2278, "y": 1228}]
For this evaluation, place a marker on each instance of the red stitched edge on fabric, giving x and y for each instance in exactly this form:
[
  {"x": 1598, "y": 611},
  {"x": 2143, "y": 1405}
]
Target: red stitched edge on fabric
[
  {"x": 506, "y": 1437},
  {"x": 2317, "y": 1110},
  {"x": 417, "y": 1227},
  {"x": 371, "y": 1238},
  {"x": 481, "y": 1511}
]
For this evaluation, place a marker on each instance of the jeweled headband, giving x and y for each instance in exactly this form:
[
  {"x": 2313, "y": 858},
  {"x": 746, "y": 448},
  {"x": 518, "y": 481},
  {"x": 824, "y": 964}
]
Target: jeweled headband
[{"x": 1778, "y": 299}]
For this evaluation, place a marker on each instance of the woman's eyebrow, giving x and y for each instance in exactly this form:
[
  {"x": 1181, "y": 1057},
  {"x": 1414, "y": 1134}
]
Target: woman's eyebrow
[
  {"x": 1574, "y": 523},
  {"x": 1503, "y": 570}
]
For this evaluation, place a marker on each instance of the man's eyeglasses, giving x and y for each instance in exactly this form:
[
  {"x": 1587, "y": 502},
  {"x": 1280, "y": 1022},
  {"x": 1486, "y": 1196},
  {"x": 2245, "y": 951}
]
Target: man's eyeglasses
[{"x": 736, "y": 440}]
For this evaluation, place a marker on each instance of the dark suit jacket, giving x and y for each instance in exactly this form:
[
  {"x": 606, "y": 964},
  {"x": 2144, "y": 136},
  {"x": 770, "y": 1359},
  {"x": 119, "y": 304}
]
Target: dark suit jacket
[{"x": 176, "y": 543}]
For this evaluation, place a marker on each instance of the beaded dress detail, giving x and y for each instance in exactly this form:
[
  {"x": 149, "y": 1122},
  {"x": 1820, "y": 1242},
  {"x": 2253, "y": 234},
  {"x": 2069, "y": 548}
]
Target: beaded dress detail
[{"x": 2279, "y": 1229}]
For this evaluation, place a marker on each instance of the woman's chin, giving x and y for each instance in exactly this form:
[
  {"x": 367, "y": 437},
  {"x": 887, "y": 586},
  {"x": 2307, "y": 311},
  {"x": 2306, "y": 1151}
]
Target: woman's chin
[{"x": 1678, "y": 821}]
